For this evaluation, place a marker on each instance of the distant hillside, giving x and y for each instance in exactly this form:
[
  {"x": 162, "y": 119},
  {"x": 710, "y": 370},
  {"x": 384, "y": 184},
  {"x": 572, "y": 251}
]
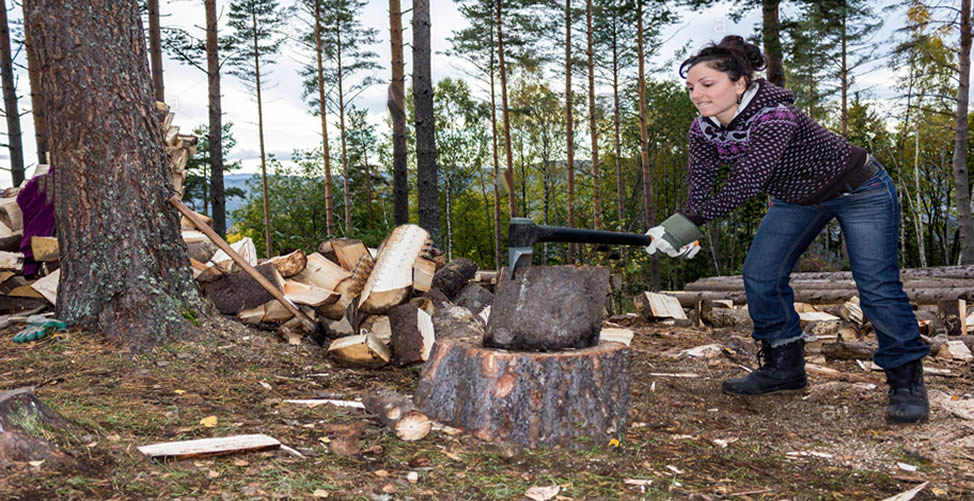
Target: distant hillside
[{"x": 233, "y": 203}]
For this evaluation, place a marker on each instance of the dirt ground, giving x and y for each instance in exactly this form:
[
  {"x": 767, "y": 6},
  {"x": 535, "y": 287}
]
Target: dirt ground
[{"x": 686, "y": 440}]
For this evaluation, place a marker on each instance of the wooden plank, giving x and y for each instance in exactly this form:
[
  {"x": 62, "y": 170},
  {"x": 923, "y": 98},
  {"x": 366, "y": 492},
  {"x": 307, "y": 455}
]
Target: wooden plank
[
  {"x": 210, "y": 446},
  {"x": 45, "y": 249}
]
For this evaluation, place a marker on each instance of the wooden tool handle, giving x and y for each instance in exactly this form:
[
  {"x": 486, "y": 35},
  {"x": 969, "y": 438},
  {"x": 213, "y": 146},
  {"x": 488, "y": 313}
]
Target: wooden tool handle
[{"x": 242, "y": 263}]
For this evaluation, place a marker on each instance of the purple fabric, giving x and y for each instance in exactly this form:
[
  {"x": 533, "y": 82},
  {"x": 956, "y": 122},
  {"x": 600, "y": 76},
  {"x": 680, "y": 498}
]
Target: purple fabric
[{"x": 36, "y": 201}]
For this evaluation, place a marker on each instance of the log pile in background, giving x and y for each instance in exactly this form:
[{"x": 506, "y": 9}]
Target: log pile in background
[
  {"x": 179, "y": 147},
  {"x": 18, "y": 293}
]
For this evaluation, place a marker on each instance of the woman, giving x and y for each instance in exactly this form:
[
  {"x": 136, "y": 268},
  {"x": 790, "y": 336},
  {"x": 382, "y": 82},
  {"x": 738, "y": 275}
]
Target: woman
[{"x": 813, "y": 176}]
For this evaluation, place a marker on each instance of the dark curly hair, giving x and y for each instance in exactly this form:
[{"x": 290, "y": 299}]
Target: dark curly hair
[{"x": 733, "y": 55}]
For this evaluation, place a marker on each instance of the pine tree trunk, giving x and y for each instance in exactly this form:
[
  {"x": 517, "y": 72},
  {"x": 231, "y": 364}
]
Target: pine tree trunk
[
  {"x": 323, "y": 114},
  {"x": 155, "y": 51},
  {"x": 14, "y": 143},
  {"x": 916, "y": 209},
  {"x": 966, "y": 225},
  {"x": 617, "y": 139},
  {"x": 123, "y": 262},
  {"x": 650, "y": 204},
  {"x": 844, "y": 80},
  {"x": 593, "y": 123},
  {"x": 569, "y": 125},
  {"x": 216, "y": 121},
  {"x": 509, "y": 170},
  {"x": 346, "y": 188},
  {"x": 772, "y": 42},
  {"x": 36, "y": 102},
  {"x": 426, "y": 176},
  {"x": 397, "y": 93},
  {"x": 498, "y": 248},
  {"x": 268, "y": 247}
]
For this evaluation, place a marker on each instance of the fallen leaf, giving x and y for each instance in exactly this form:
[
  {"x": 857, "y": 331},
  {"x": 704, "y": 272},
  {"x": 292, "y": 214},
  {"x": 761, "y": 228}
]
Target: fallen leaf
[
  {"x": 179, "y": 392},
  {"x": 36, "y": 464},
  {"x": 381, "y": 473},
  {"x": 906, "y": 467},
  {"x": 320, "y": 493},
  {"x": 542, "y": 493},
  {"x": 389, "y": 488},
  {"x": 265, "y": 385},
  {"x": 241, "y": 462},
  {"x": 638, "y": 482},
  {"x": 937, "y": 491},
  {"x": 212, "y": 474},
  {"x": 209, "y": 421}
]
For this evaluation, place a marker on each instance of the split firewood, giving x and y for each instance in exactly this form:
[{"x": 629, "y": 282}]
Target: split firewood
[
  {"x": 457, "y": 321},
  {"x": 338, "y": 328},
  {"x": 654, "y": 306},
  {"x": 10, "y": 214},
  {"x": 271, "y": 312},
  {"x": 291, "y": 264},
  {"x": 377, "y": 324},
  {"x": 47, "y": 285},
  {"x": 294, "y": 330},
  {"x": 474, "y": 298},
  {"x": 730, "y": 318},
  {"x": 424, "y": 303},
  {"x": 850, "y": 311},
  {"x": 362, "y": 350},
  {"x": 322, "y": 272},
  {"x": 24, "y": 289},
  {"x": 244, "y": 247},
  {"x": 705, "y": 309},
  {"x": 412, "y": 334},
  {"x": 955, "y": 349},
  {"x": 9, "y": 239},
  {"x": 398, "y": 413},
  {"x": 391, "y": 280},
  {"x": 451, "y": 278},
  {"x": 616, "y": 335},
  {"x": 310, "y": 295},
  {"x": 349, "y": 289},
  {"x": 210, "y": 447},
  {"x": 186, "y": 225},
  {"x": 193, "y": 236},
  {"x": 423, "y": 272},
  {"x": 348, "y": 252},
  {"x": 817, "y": 323},
  {"x": 12, "y": 261},
  {"x": 953, "y": 315},
  {"x": 201, "y": 250},
  {"x": 438, "y": 299},
  {"x": 44, "y": 249},
  {"x": 848, "y": 351},
  {"x": 236, "y": 291}
]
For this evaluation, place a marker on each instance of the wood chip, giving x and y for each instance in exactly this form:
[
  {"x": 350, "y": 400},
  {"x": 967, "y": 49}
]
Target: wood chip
[{"x": 210, "y": 446}]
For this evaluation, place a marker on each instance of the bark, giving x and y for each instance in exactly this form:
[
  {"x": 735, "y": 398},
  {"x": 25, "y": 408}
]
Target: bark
[
  {"x": 844, "y": 77},
  {"x": 593, "y": 123},
  {"x": 323, "y": 114},
  {"x": 569, "y": 126},
  {"x": 10, "y": 107},
  {"x": 216, "y": 121},
  {"x": 509, "y": 156},
  {"x": 961, "y": 175},
  {"x": 20, "y": 444},
  {"x": 36, "y": 102},
  {"x": 399, "y": 414},
  {"x": 454, "y": 276},
  {"x": 341, "y": 125},
  {"x": 123, "y": 262},
  {"x": 571, "y": 398},
  {"x": 426, "y": 176},
  {"x": 617, "y": 138},
  {"x": 268, "y": 247},
  {"x": 155, "y": 51},
  {"x": 648, "y": 198},
  {"x": 772, "y": 42},
  {"x": 397, "y": 108},
  {"x": 498, "y": 247}
]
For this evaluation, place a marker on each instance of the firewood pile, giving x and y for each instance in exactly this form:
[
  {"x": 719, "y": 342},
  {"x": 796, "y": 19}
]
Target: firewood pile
[
  {"x": 371, "y": 307},
  {"x": 179, "y": 147},
  {"x": 21, "y": 293}
]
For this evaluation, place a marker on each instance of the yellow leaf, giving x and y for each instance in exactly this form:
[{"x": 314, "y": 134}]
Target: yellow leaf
[
  {"x": 179, "y": 392},
  {"x": 320, "y": 493},
  {"x": 209, "y": 421},
  {"x": 937, "y": 491},
  {"x": 614, "y": 443}
]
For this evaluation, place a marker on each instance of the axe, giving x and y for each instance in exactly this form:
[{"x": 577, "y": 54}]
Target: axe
[{"x": 523, "y": 234}]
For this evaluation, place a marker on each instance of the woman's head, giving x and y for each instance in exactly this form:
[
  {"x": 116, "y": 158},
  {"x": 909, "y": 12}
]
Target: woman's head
[
  {"x": 719, "y": 75},
  {"x": 733, "y": 56}
]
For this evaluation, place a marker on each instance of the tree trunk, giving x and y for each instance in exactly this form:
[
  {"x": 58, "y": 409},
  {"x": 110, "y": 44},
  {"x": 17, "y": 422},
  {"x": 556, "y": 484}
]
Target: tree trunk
[
  {"x": 509, "y": 170},
  {"x": 36, "y": 102},
  {"x": 268, "y": 247},
  {"x": 648, "y": 198},
  {"x": 426, "y": 177},
  {"x": 917, "y": 216},
  {"x": 772, "y": 42},
  {"x": 617, "y": 138},
  {"x": 123, "y": 262},
  {"x": 844, "y": 77},
  {"x": 966, "y": 225},
  {"x": 397, "y": 107},
  {"x": 498, "y": 247},
  {"x": 341, "y": 125},
  {"x": 155, "y": 51},
  {"x": 593, "y": 123},
  {"x": 688, "y": 299},
  {"x": 323, "y": 114},
  {"x": 569, "y": 125},
  {"x": 14, "y": 143},
  {"x": 216, "y": 121}
]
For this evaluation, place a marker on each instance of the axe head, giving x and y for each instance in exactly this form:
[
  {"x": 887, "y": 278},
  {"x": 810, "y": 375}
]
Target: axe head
[{"x": 521, "y": 237}]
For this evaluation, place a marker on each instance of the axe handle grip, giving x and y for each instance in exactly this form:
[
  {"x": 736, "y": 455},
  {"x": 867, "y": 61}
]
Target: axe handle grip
[{"x": 582, "y": 236}]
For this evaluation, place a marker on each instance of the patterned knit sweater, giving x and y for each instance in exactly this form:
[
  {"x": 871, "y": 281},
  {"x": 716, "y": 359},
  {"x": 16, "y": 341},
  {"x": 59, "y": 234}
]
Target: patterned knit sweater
[{"x": 771, "y": 147}]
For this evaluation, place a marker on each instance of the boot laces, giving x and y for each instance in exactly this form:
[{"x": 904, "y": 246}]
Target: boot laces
[{"x": 763, "y": 355}]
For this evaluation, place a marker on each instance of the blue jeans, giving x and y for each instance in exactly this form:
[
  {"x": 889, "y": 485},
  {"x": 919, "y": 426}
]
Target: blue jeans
[{"x": 869, "y": 218}]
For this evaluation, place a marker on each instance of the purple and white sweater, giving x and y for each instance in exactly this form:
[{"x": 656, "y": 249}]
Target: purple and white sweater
[{"x": 771, "y": 147}]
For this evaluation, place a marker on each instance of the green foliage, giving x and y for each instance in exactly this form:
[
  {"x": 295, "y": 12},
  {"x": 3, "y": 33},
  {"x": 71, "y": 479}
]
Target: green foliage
[
  {"x": 197, "y": 187},
  {"x": 256, "y": 38}
]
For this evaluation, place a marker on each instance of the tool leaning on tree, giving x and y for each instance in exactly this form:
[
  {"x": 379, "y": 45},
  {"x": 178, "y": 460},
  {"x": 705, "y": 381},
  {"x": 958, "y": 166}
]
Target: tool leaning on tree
[{"x": 675, "y": 237}]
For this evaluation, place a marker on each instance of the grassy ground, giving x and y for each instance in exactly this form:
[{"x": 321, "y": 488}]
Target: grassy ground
[{"x": 686, "y": 440}]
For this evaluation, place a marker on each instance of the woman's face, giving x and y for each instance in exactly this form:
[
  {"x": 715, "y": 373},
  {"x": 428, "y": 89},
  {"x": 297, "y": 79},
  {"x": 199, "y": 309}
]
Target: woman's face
[{"x": 713, "y": 92}]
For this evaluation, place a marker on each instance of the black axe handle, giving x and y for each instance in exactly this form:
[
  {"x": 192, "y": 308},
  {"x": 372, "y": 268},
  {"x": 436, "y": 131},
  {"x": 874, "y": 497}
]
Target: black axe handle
[{"x": 523, "y": 233}]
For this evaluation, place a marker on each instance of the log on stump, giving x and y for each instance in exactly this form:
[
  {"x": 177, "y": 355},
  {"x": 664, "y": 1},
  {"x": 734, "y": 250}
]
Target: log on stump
[
  {"x": 457, "y": 321},
  {"x": 411, "y": 334},
  {"x": 848, "y": 351},
  {"x": 548, "y": 308},
  {"x": 451, "y": 278},
  {"x": 238, "y": 291},
  {"x": 399, "y": 414},
  {"x": 25, "y": 424},
  {"x": 952, "y": 313},
  {"x": 571, "y": 399}
]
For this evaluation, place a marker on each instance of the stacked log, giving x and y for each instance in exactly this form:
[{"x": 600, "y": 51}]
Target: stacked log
[
  {"x": 17, "y": 292},
  {"x": 179, "y": 147}
]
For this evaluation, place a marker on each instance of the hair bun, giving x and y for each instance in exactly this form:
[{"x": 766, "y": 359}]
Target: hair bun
[{"x": 751, "y": 52}]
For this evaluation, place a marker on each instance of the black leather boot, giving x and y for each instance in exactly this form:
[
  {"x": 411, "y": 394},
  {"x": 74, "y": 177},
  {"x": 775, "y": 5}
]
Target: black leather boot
[
  {"x": 782, "y": 370},
  {"x": 907, "y": 394}
]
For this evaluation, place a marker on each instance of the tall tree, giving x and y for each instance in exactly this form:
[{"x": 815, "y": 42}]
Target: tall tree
[
  {"x": 197, "y": 185},
  {"x": 155, "y": 51},
  {"x": 10, "y": 107},
  {"x": 256, "y": 39},
  {"x": 36, "y": 103},
  {"x": 593, "y": 121},
  {"x": 397, "y": 111},
  {"x": 427, "y": 185},
  {"x": 569, "y": 125},
  {"x": 647, "y": 174},
  {"x": 123, "y": 263},
  {"x": 961, "y": 174},
  {"x": 771, "y": 34},
  {"x": 505, "y": 112}
]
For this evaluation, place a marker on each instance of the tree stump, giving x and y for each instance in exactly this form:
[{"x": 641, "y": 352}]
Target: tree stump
[
  {"x": 26, "y": 424},
  {"x": 569, "y": 399}
]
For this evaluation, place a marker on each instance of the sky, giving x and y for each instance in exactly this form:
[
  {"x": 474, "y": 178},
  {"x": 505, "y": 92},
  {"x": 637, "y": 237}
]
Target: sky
[{"x": 288, "y": 122}]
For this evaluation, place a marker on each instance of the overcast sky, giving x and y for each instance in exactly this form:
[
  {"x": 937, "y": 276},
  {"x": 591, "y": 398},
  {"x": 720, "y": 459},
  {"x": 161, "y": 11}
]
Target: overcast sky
[{"x": 288, "y": 123}]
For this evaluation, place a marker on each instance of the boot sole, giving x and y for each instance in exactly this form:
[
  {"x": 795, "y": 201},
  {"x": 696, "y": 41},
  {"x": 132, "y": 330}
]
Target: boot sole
[{"x": 896, "y": 422}]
